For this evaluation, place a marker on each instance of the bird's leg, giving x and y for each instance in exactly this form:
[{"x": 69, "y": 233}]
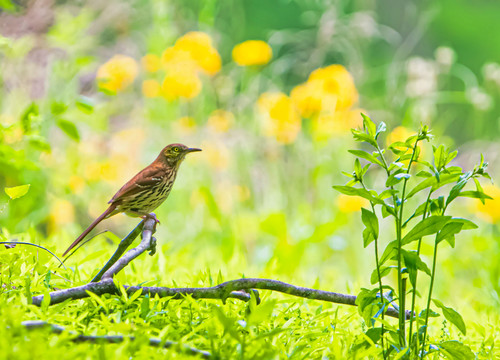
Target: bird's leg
[{"x": 151, "y": 216}]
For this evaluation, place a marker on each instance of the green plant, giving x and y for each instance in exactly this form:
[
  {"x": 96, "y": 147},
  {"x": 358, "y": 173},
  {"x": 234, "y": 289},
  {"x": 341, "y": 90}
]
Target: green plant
[{"x": 406, "y": 176}]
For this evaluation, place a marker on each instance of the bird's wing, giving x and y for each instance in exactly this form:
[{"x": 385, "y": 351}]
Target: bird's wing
[{"x": 148, "y": 177}]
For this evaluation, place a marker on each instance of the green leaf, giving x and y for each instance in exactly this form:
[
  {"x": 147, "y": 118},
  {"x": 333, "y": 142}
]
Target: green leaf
[
  {"x": 455, "y": 350},
  {"x": 413, "y": 264},
  {"x": 475, "y": 195},
  {"x": 452, "y": 316},
  {"x": 428, "y": 182},
  {"x": 371, "y": 222},
  {"x": 427, "y": 226},
  {"x": 396, "y": 178},
  {"x": 448, "y": 232},
  {"x": 17, "y": 191},
  {"x": 351, "y": 191},
  {"x": 367, "y": 156},
  {"x": 384, "y": 271},
  {"x": 389, "y": 252},
  {"x": 68, "y": 128},
  {"x": 361, "y": 136},
  {"x": 455, "y": 190},
  {"x": 85, "y": 104},
  {"x": 369, "y": 125},
  {"x": 380, "y": 129}
]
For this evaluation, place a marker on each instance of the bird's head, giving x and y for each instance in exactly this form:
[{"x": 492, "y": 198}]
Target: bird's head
[{"x": 173, "y": 154}]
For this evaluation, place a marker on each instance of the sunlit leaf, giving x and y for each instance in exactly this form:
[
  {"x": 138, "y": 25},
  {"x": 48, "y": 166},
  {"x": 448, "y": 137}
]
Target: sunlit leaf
[
  {"x": 452, "y": 316},
  {"x": 68, "y": 128},
  {"x": 427, "y": 226},
  {"x": 371, "y": 223},
  {"x": 352, "y": 191},
  {"x": 17, "y": 191},
  {"x": 367, "y": 156},
  {"x": 455, "y": 350}
]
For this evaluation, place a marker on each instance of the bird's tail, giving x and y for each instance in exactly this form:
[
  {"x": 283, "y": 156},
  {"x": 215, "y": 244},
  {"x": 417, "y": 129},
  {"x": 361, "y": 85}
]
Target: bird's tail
[{"x": 103, "y": 216}]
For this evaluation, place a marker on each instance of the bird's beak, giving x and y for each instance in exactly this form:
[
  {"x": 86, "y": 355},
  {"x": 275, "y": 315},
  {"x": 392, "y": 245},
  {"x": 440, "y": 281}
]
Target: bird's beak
[{"x": 192, "y": 150}]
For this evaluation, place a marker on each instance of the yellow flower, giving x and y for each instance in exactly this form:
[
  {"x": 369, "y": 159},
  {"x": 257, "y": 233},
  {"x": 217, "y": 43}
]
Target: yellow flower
[
  {"x": 399, "y": 133},
  {"x": 309, "y": 98},
  {"x": 186, "y": 125},
  {"x": 151, "y": 62},
  {"x": 76, "y": 184},
  {"x": 252, "y": 52},
  {"x": 349, "y": 204},
  {"x": 281, "y": 118},
  {"x": 181, "y": 84},
  {"x": 490, "y": 211},
  {"x": 199, "y": 47},
  {"x": 340, "y": 122},
  {"x": 117, "y": 73},
  {"x": 151, "y": 88},
  {"x": 220, "y": 120},
  {"x": 336, "y": 80}
]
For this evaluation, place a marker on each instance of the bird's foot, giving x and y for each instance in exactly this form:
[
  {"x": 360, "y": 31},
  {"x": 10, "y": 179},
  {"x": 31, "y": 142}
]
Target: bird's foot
[{"x": 151, "y": 216}]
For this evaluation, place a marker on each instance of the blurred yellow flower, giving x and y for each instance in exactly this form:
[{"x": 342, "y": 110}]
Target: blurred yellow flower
[
  {"x": 340, "y": 122},
  {"x": 399, "y": 133},
  {"x": 490, "y": 211},
  {"x": 62, "y": 212},
  {"x": 151, "y": 62},
  {"x": 186, "y": 125},
  {"x": 181, "y": 84},
  {"x": 151, "y": 88},
  {"x": 309, "y": 97},
  {"x": 349, "y": 204},
  {"x": 252, "y": 52},
  {"x": 76, "y": 184},
  {"x": 336, "y": 80},
  {"x": 117, "y": 73},
  {"x": 193, "y": 51},
  {"x": 199, "y": 46},
  {"x": 327, "y": 90},
  {"x": 281, "y": 118},
  {"x": 220, "y": 120}
]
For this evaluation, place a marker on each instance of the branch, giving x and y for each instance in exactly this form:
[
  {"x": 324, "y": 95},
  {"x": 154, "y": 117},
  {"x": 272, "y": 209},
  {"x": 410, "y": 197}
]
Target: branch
[
  {"x": 124, "y": 244},
  {"x": 112, "y": 339},
  {"x": 236, "y": 289}
]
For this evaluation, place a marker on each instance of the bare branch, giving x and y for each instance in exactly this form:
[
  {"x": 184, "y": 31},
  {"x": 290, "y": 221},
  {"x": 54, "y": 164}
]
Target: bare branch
[
  {"x": 124, "y": 244},
  {"x": 230, "y": 289},
  {"x": 113, "y": 339},
  {"x": 236, "y": 289}
]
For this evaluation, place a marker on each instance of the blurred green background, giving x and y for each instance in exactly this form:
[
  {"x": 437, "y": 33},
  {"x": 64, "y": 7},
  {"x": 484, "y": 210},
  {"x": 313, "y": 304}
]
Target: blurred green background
[{"x": 76, "y": 122}]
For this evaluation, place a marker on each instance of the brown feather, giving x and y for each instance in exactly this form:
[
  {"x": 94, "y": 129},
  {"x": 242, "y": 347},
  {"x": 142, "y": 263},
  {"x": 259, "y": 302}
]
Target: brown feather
[{"x": 104, "y": 215}]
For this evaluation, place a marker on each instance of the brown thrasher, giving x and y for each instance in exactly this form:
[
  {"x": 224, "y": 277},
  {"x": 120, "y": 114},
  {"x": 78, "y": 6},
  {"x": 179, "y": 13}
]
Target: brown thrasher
[{"x": 145, "y": 191}]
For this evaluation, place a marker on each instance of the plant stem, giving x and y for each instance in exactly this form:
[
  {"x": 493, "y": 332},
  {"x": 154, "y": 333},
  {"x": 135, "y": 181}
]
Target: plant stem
[
  {"x": 414, "y": 293},
  {"x": 399, "y": 224},
  {"x": 377, "y": 264},
  {"x": 429, "y": 298}
]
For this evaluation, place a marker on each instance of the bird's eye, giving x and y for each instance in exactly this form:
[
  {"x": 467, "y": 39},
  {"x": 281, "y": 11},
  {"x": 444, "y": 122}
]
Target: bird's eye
[{"x": 176, "y": 149}]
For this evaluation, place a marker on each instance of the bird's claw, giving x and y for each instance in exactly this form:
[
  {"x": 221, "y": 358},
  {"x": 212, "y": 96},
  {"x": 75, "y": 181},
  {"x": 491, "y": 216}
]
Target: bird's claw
[{"x": 151, "y": 216}]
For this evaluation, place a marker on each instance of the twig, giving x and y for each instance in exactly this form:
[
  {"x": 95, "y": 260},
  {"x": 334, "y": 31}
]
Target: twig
[
  {"x": 124, "y": 244},
  {"x": 113, "y": 339},
  {"x": 6, "y": 243},
  {"x": 148, "y": 242},
  {"x": 229, "y": 289}
]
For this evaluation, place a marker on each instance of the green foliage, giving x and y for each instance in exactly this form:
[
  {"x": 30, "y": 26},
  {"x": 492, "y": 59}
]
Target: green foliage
[{"x": 401, "y": 253}]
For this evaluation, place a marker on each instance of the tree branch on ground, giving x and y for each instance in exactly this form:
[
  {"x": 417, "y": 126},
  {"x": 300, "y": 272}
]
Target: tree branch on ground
[
  {"x": 113, "y": 339},
  {"x": 236, "y": 289}
]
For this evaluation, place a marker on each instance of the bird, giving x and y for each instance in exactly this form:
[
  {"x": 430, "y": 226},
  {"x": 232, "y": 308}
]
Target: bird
[{"x": 145, "y": 191}]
